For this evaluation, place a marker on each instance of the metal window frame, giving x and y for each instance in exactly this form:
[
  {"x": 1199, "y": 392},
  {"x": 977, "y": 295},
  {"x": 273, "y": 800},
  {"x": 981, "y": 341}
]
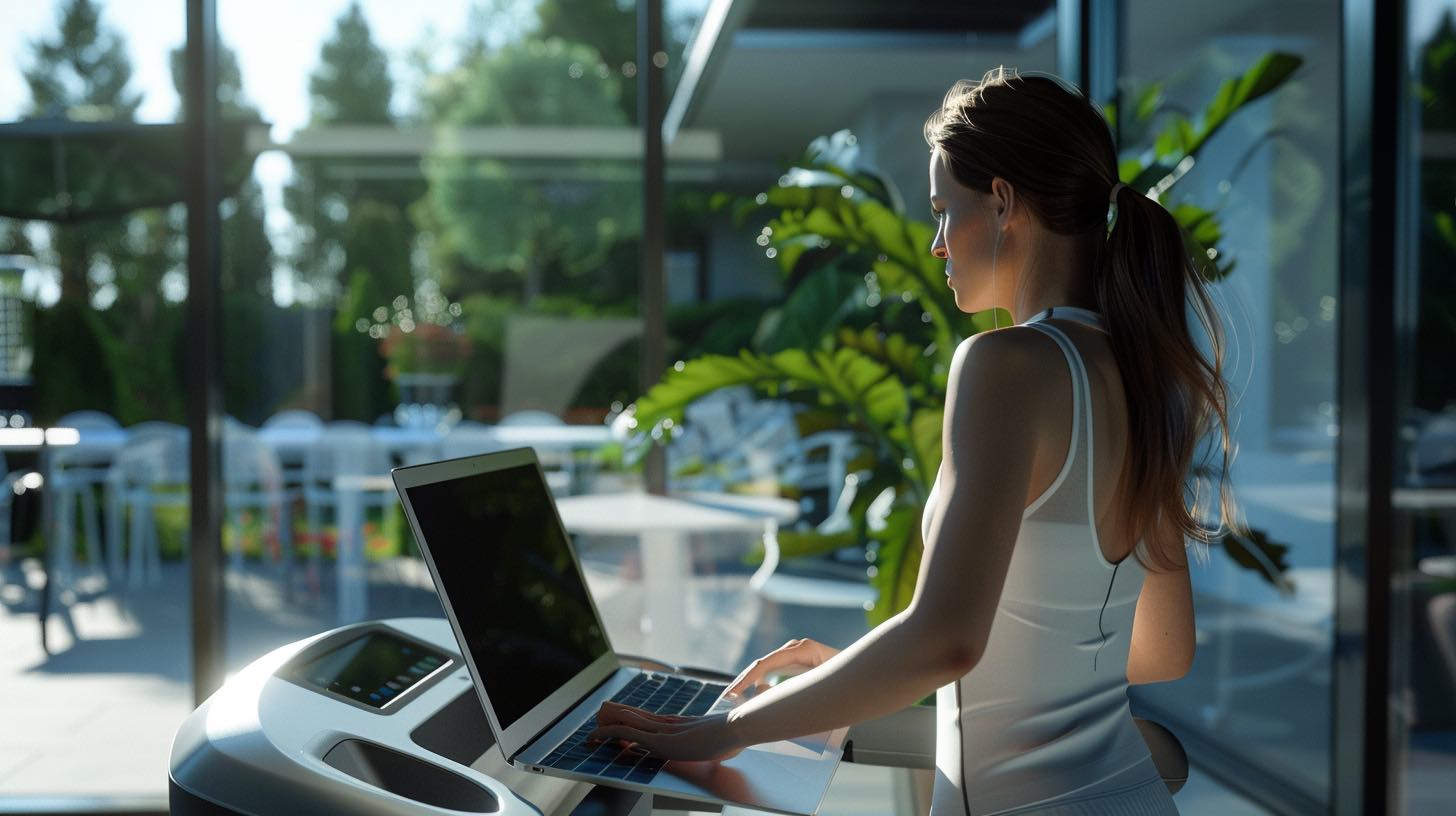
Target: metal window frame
[
  {"x": 651, "y": 113},
  {"x": 1089, "y": 46},
  {"x": 204, "y": 348},
  {"x": 1363, "y": 771}
]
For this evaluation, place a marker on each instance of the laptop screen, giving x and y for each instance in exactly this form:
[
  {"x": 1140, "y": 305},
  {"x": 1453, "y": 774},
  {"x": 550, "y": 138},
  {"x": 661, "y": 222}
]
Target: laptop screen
[{"x": 506, "y": 567}]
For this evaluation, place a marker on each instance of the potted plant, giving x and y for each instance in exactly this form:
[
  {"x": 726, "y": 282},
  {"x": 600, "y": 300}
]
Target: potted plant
[{"x": 425, "y": 348}]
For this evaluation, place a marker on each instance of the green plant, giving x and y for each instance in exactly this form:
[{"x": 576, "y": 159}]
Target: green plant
[{"x": 866, "y": 333}]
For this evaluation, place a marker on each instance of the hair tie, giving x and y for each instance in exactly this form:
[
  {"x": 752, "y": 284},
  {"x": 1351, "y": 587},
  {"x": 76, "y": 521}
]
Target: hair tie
[{"x": 1112, "y": 205}]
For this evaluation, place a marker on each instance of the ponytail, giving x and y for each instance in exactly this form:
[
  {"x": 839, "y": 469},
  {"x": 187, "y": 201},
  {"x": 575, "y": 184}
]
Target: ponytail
[{"x": 1147, "y": 285}]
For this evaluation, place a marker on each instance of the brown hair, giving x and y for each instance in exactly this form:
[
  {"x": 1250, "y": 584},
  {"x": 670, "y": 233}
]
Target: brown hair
[{"x": 1056, "y": 150}]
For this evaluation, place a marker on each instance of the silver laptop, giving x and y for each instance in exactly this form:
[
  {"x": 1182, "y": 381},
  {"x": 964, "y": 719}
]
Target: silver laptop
[{"x": 539, "y": 654}]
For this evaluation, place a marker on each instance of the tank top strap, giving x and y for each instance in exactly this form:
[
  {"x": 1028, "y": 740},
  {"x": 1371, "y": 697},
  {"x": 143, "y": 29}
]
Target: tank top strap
[{"x": 1081, "y": 424}]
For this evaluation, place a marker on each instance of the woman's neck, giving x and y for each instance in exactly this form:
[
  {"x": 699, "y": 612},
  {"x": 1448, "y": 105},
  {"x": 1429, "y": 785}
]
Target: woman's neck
[{"x": 1057, "y": 273}]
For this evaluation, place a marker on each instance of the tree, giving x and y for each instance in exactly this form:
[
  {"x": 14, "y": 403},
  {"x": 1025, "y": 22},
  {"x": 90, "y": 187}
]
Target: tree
[
  {"x": 248, "y": 257},
  {"x": 487, "y": 214},
  {"x": 82, "y": 72},
  {"x": 351, "y": 83},
  {"x": 609, "y": 27},
  {"x": 85, "y": 65},
  {"x": 355, "y": 239},
  {"x": 350, "y": 86}
]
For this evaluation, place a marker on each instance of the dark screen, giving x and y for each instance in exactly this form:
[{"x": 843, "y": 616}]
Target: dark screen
[
  {"x": 505, "y": 569},
  {"x": 373, "y": 669}
]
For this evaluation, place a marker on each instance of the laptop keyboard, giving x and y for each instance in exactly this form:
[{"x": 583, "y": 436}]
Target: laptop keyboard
[{"x": 658, "y": 693}]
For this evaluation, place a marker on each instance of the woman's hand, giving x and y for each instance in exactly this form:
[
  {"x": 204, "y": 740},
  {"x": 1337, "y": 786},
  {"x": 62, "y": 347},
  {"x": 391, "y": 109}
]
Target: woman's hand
[
  {"x": 666, "y": 736},
  {"x": 797, "y": 656}
]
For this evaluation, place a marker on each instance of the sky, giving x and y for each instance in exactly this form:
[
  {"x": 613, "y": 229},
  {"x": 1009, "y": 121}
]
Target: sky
[{"x": 277, "y": 43}]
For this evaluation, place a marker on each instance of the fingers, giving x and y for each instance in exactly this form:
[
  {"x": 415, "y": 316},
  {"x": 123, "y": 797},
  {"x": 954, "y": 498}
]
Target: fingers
[
  {"x": 615, "y": 713},
  {"x": 625, "y": 733},
  {"x": 793, "y": 653}
]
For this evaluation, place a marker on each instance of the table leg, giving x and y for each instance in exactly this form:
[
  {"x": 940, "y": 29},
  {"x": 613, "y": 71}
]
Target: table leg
[
  {"x": 666, "y": 568},
  {"x": 47, "y": 512},
  {"x": 349, "y": 557}
]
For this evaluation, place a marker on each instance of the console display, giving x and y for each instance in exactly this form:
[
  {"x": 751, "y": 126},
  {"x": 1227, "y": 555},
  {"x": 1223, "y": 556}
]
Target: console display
[{"x": 374, "y": 669}]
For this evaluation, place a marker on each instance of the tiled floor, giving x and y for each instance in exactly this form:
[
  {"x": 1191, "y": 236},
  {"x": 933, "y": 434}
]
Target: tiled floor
[{"x": 99, "y": 715}]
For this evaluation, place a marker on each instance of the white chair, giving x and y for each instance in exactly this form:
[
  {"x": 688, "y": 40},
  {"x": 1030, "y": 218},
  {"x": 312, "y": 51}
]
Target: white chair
[
  {"x": 804, "y": 466},
  {"x": 531, "y": 416},
  {"x": 304, "y": 422},
  {"x": 294, "y": 418},
  {"x": 76, "y": 471},
  {"x": 817, "y": 462},
  {"x": 151, "y": 470},
  {"x": 469, "y": 439},
  {"x": 253, "y": 479},
  {"x": 343, "y": 449}
]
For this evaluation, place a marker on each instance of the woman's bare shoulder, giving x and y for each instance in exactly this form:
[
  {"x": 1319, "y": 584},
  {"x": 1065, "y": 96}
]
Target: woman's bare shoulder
[
  {"x": 1007, "y": 381},
  {"x": 1016, "y": 355}
]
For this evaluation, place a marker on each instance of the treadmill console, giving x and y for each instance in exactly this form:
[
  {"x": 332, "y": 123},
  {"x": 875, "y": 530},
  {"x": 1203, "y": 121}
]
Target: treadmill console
[{"x": 375, "y": 670}]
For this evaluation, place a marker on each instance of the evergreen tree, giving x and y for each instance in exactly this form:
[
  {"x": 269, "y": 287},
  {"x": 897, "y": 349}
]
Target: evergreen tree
[
  {"x": 346, "y": 208},
  {"x": 81, "y": 72},
  {"x": 351, "y": 84},
  {"x": 85, "y": 65},
  {"x": 248, "y": 258},
  {"x": 247, "y": 251}
]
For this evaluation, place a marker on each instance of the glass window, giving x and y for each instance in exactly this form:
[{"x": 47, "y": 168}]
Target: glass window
[
  {"x": 1423, "y": 624},
  {"x": 93, "y": 294},
  {"x": 1257, "y": 702},
  {"x": 445, "y": 257}
]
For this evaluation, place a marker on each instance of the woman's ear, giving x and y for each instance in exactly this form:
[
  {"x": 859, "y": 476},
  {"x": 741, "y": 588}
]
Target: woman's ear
[{"x": 1003, "y": 200}]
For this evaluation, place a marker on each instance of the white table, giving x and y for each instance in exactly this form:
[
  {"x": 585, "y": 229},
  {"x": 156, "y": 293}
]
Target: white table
[
  {"x": 662, "y": 525},
  {"x": 552, "y": 437}
]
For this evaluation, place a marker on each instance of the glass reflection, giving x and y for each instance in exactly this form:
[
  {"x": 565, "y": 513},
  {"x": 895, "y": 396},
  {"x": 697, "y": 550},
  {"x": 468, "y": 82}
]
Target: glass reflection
[
  {"x": 1424, "y": 626},
  {"x": 1257, "y": 700},
  {"x": 93, "y": 528}
]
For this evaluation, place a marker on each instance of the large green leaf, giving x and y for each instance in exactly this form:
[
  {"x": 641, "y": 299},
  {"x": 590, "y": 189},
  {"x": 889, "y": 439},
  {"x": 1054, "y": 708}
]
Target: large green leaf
[
  {"x": 1259, "y": 553},
  {"x": 866, "y": 388},
  {"x": 805, "y": 544},
  {"x": 906, "y": 359},
  {"x": 699, "y": 377},
  {"x": 1263, "y": 77},
  {"x": 814, "y": 309},
  {"x": 897, "y": 563},
  {"x": 926, "y": 428}
]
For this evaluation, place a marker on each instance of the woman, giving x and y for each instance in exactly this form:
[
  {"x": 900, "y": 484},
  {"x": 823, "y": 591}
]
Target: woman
[{"x": 1054, "y": 572}]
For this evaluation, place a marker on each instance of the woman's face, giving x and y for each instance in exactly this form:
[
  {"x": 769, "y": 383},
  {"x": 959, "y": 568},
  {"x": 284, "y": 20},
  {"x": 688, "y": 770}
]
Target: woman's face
[{"x": 965, "y": 238}]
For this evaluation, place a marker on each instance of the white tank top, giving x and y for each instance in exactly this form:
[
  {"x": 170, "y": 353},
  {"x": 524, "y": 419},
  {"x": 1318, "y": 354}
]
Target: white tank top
[{"x": 1042, "y": 723}]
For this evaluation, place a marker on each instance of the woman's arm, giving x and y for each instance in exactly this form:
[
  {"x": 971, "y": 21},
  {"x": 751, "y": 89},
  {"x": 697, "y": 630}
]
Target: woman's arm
[
  {"x": 1162, "y": 628},
  {"x": 997, "y": 398}
]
